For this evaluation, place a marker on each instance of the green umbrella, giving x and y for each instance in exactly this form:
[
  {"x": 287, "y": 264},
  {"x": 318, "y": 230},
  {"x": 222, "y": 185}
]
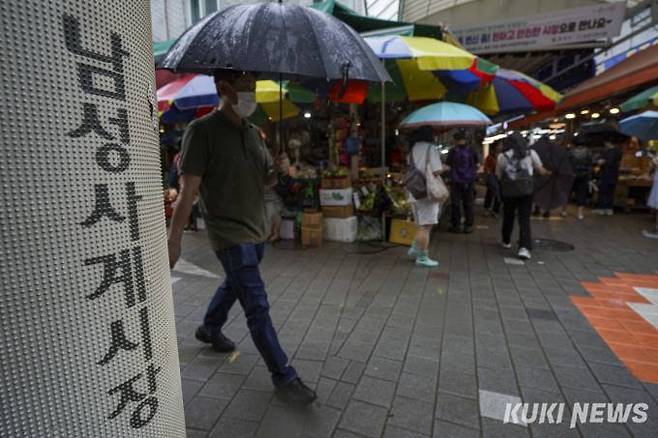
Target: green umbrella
[{"x": 642, "y": 100}]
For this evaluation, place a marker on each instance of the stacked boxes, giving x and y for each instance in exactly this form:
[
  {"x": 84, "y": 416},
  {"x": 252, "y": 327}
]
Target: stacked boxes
[
  {"x": 336, "y": 196},
  {"x": 341, "y": 230},
  {"x": 312, "y": 229}
]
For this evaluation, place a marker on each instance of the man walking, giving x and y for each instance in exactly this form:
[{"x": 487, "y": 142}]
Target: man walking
[
  {"x": 463, "y": 162},
  {"x": 225, "y": 160},
  {"x": 610, "y": 162}
]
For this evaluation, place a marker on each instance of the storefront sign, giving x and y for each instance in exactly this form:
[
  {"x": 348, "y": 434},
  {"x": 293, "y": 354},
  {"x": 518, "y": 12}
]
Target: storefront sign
[{"x": 546, "y": 31}]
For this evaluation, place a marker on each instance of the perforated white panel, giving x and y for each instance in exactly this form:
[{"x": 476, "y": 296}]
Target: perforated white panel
[{"x": 87, "y": 337}]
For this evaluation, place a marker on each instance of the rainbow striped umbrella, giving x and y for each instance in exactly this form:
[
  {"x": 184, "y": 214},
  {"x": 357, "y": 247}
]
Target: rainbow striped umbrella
[
  {"x": 514, "y": 92},
  {"x": 194, "y": 91},
  {"x": 426, "y": 68}
]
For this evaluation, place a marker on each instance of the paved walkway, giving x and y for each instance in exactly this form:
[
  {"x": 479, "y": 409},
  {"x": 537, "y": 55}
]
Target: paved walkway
[{"x": 399, "y": 351}]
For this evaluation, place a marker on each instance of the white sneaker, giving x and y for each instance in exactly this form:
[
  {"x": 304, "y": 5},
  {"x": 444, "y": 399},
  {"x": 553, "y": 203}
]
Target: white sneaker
[
  {"x": 524, "y": 254},
  {"x": 650, "y": 234},
  {"x": 506, "y": 245},
  {"x": 609, "y": 212},
  {"x": 581, "y": 217}
]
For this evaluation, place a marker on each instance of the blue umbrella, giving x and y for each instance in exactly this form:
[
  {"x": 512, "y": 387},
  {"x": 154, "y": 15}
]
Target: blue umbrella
[
  {"x": 643, "y": 126},
  {"x": 445, "y": 115}
]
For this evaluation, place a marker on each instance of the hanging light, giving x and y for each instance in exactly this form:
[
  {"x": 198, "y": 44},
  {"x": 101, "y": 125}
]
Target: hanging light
[
  {"x": 584, "y": 112},
  {"x": 307, "y": 115},
  {"x": 595, "y": 115},
  {"x": 614, "y": 110},
  {"x": 570, "y": 116}
]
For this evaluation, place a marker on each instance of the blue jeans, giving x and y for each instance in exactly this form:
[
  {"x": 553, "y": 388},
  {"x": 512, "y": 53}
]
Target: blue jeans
[{"x": 243, "y": 283}]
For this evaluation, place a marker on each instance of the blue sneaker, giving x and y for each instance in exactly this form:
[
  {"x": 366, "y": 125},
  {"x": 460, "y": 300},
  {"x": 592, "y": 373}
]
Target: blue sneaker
[
  {"x": 413, "y": 251},
  {"x": 424, "y": 260}
]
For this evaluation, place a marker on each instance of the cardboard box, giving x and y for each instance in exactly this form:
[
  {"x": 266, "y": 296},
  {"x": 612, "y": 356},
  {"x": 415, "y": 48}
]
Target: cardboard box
[
  {"x": 402, "y": 232},
  {"x": 338, "y": 211},
  {"x": 336, "y": 182},
  {"x": 311, "y": 236},
  {"x": 335, "y": 197},
  {"x": 312, "y": 220},
  {"x": 340, "y": 230}
]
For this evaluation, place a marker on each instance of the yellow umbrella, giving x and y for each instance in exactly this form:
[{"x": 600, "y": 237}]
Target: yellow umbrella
[{"x": 268, "y": 95}]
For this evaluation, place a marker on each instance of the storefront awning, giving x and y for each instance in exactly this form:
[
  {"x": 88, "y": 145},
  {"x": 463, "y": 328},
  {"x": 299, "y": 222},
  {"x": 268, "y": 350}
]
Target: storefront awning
[
  {"x": 362, "y": 24},
  {"x": 160, "y": 49},
  {"x": 639, "y": 70}
]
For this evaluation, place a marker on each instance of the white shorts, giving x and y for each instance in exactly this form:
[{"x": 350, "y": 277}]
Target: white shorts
[{"x": 426, "y": 212}]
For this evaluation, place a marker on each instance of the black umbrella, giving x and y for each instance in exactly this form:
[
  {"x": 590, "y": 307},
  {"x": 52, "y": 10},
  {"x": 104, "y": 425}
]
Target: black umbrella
[
  {"x": 277, "y": 40},
  {"x": 553, "y": 191}
]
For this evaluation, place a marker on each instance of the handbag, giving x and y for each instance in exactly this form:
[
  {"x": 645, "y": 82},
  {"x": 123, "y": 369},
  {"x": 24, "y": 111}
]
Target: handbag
[{"x": 437, "y": 190}]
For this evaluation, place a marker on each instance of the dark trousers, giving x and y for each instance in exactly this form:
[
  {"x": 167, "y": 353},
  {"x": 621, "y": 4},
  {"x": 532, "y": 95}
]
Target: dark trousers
[
  {"x": 492, "y": 200},
  {"x": 581, "y": 190},
  {"x": 607, "y": 186},
  {"x": 244, "y": 284},
  {"x": 521, "y": 208},
  {"x": 461, "y": 197}
]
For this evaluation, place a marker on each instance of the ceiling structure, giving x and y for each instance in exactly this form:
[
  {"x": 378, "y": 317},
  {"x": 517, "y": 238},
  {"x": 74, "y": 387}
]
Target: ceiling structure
[{"x": 384, "y": 9}]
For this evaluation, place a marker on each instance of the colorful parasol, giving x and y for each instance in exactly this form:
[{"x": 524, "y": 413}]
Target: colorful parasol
[
  {"x": 511, "y": 91},
  {"x": 642, "y": 100},
  {"x": 430, "y": 54},
  {"x": 192, "y": 91},
  {"x": 426, "y": 68}
]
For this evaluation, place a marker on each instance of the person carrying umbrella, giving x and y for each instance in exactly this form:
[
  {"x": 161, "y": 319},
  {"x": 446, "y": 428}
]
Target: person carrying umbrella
[
  {"x": 515, "y": 169},
  {"x": 610, "y": 162},
  {"x": 225, "y": 160},
  {"x": 463, "y": 164}
]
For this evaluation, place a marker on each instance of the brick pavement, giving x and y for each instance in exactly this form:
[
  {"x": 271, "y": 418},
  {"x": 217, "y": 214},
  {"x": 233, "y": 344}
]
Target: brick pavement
[{"x": 399, "y": 351}]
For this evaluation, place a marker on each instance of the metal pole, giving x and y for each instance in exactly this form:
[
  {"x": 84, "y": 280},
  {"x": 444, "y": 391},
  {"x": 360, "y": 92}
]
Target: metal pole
[
  {"x": 279, "y": 129},
  {"x": 383, "y": 146},
  {"x": 88, "y": 338}
]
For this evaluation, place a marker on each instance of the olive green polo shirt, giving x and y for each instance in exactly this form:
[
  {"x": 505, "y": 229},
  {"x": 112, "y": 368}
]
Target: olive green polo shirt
[{"x": 233, "y": 163}]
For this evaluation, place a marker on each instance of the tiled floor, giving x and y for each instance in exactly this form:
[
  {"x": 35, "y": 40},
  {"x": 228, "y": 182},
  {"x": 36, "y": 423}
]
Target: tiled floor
[{"x": 399, "y": 351}]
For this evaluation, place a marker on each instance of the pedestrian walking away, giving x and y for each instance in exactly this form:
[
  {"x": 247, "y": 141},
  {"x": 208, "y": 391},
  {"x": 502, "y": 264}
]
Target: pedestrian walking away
[
  {"x": 515, "y": 170},
  {"x": 581, "y": 161},
  {"x": 226, "y": 162},
  {"x": 463, "y": 163},
  {"x": 492, "y": 198},
  {"x": 609, "y": 162}
]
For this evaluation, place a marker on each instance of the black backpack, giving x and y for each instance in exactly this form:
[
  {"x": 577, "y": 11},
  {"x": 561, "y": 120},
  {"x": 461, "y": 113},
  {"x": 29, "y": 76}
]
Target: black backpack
[
  {"x": 415, "y": 181},
  {"x": 517, "y": 181}
]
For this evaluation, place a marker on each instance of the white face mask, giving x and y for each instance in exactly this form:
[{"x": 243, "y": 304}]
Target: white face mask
[{"x": 246, "y": 104}]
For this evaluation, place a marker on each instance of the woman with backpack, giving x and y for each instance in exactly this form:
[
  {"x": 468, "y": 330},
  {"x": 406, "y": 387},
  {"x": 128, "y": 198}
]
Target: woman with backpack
[
  {"x": 423, "y": 154},
  {"x": 581, "y": 161},
  {"x": 515, "y": 169}
]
